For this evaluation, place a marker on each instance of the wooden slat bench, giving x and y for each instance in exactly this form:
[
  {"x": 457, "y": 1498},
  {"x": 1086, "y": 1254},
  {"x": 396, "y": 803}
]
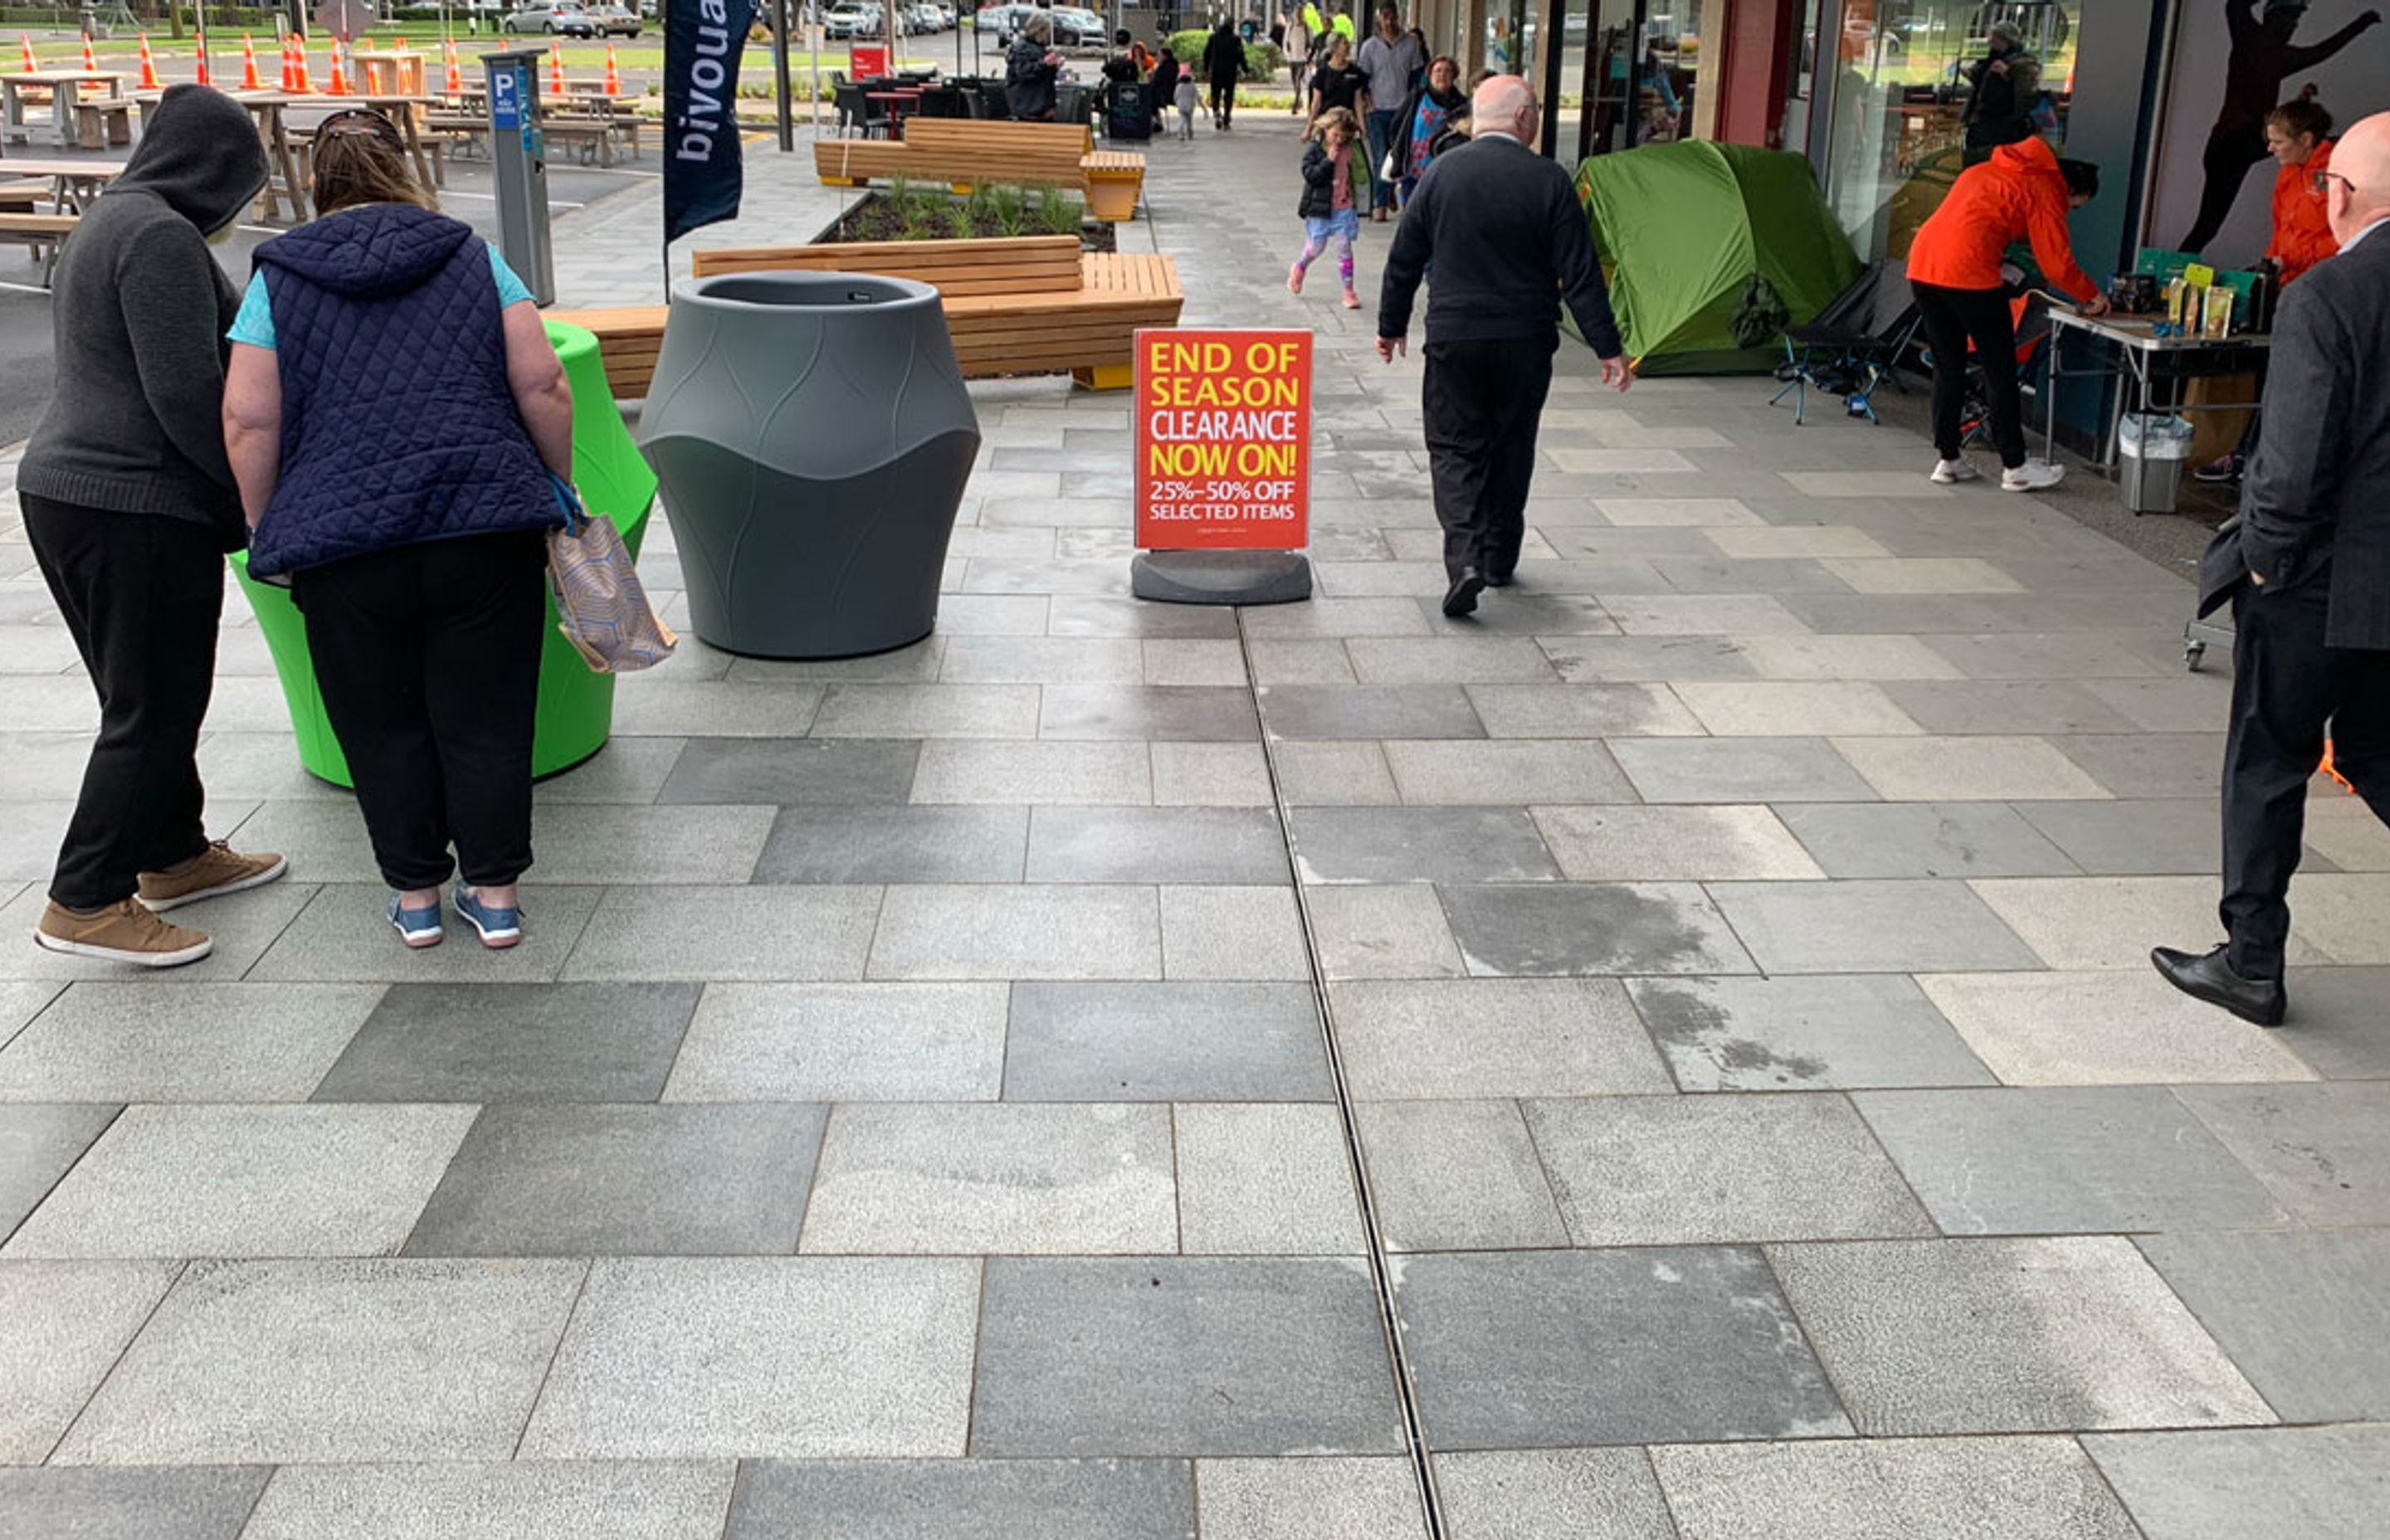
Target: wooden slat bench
[
  {"x": 106, "y": 122},
  {"x": 1026, "y": 306},
  {"x": 963, "y": 154}
]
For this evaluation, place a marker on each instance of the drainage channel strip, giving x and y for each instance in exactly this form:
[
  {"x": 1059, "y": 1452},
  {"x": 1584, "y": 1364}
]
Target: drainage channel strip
[{"x": 1373, "y": 1239}]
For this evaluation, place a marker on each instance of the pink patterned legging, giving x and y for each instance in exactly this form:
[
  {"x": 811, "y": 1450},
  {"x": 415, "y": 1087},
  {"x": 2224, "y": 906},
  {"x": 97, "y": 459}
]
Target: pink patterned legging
[{"x": 1313, "y": 247}]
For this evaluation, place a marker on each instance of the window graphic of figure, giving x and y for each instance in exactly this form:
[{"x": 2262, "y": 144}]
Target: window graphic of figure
[{"x": 2262, "y": 56}]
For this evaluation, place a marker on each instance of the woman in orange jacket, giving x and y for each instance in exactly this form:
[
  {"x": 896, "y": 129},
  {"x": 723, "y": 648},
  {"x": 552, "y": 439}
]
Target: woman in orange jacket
[
  {"x": 2296, "y": 137},
  {"x": 2024, "y": 192}
]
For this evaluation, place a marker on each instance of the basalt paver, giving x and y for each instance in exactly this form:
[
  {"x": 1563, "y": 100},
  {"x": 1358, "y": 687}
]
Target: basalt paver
[{"x": 1009, "y": 1085}]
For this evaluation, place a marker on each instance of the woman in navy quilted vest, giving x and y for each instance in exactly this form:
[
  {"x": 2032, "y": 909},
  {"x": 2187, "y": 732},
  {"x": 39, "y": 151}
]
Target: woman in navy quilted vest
[{"x": 392, "y": 411}]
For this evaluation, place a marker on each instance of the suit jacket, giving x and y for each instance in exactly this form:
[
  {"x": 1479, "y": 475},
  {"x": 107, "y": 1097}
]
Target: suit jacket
[{"x": 2315, "y": 503}]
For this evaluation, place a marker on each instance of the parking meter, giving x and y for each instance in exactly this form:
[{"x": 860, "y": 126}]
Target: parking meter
[{"x": 518, "y": 156}]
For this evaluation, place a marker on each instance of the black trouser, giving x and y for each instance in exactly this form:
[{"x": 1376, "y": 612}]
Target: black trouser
[
  {"x": 2287, "y": 685},
  {"x": 1483, "y": 402},
  {"x": 2232, "y": 150},
  {"x": 428, "y": 656},
  {"x": 141, "y": 594},
  {"x": 1952, "y": 319},
  {"x": 1224, "y": 102}
]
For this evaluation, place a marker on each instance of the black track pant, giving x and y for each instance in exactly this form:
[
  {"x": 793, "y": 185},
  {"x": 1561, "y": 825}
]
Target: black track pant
[
  {"x": 1483, "y": 402},
  {"x": 429, "y": 656},
  {"x": 141, "y": 594},
  {"x": 1223, "y": 103},
  {"x": 1952, "y": 317},
  {"x": 2287, "y": 689}
]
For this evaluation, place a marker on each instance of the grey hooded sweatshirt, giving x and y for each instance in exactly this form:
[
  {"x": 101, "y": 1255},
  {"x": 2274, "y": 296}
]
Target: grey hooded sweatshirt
[{"x": 140, "y": 309}]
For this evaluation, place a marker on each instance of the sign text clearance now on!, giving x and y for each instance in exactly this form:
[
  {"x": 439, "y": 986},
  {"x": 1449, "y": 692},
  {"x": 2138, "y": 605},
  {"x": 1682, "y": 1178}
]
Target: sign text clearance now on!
[{"x": 1222, "y": 441}]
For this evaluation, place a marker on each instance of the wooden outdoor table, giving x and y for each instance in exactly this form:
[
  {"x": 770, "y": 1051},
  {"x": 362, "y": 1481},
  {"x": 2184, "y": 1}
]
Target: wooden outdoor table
[
  {"x": 76, "y": 182},
  {"x": 268, "y": 110},
  {"x": 65, "y": 87}
]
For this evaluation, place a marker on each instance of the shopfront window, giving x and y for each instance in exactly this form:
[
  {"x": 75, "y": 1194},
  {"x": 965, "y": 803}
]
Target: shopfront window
[
  {"x": 1918, "y": 89},
  {"x": 1639, "y": 61}
]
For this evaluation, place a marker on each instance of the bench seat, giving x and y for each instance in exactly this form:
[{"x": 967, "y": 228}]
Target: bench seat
[{"x": 964, "y": 154}]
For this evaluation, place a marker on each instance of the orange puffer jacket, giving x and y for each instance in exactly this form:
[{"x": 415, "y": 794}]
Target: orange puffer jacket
[{"x": 2018, "y": 194}]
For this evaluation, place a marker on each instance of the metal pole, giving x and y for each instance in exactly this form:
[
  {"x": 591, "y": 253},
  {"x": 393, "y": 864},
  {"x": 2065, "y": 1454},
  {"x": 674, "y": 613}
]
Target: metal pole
[
  {"x": 780, "y": 73},
  {"x": 813, "y": 50}
]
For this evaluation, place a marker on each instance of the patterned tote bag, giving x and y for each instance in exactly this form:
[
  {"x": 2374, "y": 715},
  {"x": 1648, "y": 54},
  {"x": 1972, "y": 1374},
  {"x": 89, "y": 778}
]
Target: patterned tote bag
[{"x": 600, "y": 606}]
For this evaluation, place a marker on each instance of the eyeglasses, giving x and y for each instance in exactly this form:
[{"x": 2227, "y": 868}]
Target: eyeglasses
[
  {"x": 359, "y": 121},
  {"x": 2324, "y": 179}
]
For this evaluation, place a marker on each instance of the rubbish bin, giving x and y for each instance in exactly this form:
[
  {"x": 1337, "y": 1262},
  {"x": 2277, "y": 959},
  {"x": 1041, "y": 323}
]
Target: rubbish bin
[
  {"x": 576, "y": 707},
  {"x": 813, "y": 438},
  {"x": 2152, "y": 450}
]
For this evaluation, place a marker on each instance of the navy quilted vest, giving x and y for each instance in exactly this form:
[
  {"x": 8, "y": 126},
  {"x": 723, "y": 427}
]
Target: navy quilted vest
[{"x": 398, "y": 426}]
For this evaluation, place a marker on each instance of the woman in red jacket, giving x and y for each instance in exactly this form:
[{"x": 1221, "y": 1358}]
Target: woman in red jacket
[
  {"x": 2024, "y": 192},
  {"x": 2296, "y": 137}
]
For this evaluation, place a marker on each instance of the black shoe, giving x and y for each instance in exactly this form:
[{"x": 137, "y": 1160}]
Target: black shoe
[
  {"x": 2208, "y": 976},
  {"x": 2219, "y": 472},
  {"x": 1501, "y": 579},
  {"x": 1461, "y": 597}
]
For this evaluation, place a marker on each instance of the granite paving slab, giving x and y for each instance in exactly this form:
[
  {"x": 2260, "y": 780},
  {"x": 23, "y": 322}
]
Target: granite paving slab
[
  {"x": 1319, "y": 1498},
  {"x": 191, "y": 1502},
  {"x": 1155, "y": 845},
  {"x": 38, "y": 1142},
  {"x": 1231, "y": 935},
  {"x": 1165, "y": 1042},
  {"x": 1419, "y": 844},
  {"x": 2323, "y": 1150},
  {"x": 1457, "y": 1175},
  {"x": 2014, "y": 1488},
  {"x": 647, "y": 1500},
  {"x": 705, "y": 934},
  {"x": 838, "y": 772},
  {"x": 332, "y": 1361},
  {"x": 1926, "y": 1337},
  {"x": 512, "y": 1042},
  {"x": 1264, "y": 1178},
  {"x": 914, "y": 1499},
  {"x": 2103, "y": 1028},
  {"x": 62, "y": 1326},
  {"x": 1557, "y": 1349},
  {"x": 1867, "y": 927},
  {"x": 2288, "y": 1483},
  {"x": 1193, "y": 1355},
  {"x": 1739, "y": 770},
  {"x": 1678, "y": 845},
  {"x": 127, "y": 1040},
  {"x": 1048, "y": 932},
  {"x": 1816, "y": 1033},
  {"x": 1530, "y": 1494},
  {"x": 2065, "y": 1159},
  {"x": 2303, "y": 1315},
  {"x": 872, "y": 1042},
  {"x": 1892, "y": 840},
  {"x": 793, "y": 1357},
  {"x": 693, "y": 1180},
  {"x": 1592, "y": 928}
]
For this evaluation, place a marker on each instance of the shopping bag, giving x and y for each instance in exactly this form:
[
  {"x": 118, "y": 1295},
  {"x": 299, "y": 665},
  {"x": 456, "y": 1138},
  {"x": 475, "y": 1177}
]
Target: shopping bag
[{"x": 600, "y": 605}]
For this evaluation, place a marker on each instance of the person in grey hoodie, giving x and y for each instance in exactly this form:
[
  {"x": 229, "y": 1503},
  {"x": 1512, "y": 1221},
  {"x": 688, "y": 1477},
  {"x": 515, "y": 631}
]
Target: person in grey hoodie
[{"x": 130, "y": 506}]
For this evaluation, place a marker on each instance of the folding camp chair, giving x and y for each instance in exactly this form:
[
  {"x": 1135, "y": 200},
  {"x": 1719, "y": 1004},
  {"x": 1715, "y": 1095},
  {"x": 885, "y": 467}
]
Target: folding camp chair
[{"x": 1855, "y": 343}]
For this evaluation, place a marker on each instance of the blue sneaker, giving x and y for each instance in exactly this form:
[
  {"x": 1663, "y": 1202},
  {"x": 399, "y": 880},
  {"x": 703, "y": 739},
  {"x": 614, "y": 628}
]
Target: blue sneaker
[
  {"x": 418, "y": 928},
  {"x": 500, "y": 927}
]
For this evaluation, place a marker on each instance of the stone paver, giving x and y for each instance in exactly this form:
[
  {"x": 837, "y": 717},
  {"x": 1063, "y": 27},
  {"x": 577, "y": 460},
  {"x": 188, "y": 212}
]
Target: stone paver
[{"x": 957, "y": 1092}]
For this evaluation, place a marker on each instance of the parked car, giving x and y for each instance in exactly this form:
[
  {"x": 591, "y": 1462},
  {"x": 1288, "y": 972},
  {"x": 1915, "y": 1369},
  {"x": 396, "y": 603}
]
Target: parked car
[
  {"x": 947, "y": 15},
  {"x": 1076, "y": 27},
  {"x": 853, "y": 19},
  {"x": 616, "y": 21},
  {"x": 1003, "y": 21},
  {"x": 924, "y": 18},
  {"x": 558, "y": 17}
]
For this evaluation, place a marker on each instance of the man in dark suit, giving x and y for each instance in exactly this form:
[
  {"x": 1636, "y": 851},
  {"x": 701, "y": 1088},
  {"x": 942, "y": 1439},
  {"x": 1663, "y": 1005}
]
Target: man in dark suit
[
  {"x": 1510, "y": 243},
  {"x": 2306, "y": 568}
]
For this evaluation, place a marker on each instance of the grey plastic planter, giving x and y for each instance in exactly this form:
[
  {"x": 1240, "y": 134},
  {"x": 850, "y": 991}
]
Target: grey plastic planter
[{"x": 812, "y": 437}]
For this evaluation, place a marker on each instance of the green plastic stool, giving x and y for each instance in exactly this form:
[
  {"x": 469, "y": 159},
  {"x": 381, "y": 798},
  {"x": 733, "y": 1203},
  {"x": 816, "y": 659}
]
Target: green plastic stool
[{"x": 576, "y": 707}]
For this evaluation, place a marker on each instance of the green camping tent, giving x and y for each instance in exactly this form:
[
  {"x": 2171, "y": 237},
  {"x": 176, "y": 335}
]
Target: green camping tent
[{"x": 1713, "y": 249}]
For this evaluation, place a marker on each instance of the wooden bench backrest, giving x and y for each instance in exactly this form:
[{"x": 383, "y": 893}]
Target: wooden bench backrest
[
  {"x": 968, "y": 134},
  {"x": 1027, "y": 264}
]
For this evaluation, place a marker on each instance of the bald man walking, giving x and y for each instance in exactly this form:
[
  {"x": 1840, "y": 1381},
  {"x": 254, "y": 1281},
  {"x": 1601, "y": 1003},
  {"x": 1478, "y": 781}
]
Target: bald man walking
[
  {"x": 2306, "y": 569},
  {"x": 1510, "y": 244}
]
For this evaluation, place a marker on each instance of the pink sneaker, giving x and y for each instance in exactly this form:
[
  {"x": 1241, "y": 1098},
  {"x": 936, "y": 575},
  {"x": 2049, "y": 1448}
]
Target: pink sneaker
[
  {"x": 1352, "y": 300},
  {"x": 1294, "y": 279}
]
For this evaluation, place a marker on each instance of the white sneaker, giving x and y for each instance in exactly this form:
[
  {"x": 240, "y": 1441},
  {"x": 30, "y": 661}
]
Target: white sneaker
[
  {"x": 1949, "y": 472},
  {"x": 2032, "y": 475}
]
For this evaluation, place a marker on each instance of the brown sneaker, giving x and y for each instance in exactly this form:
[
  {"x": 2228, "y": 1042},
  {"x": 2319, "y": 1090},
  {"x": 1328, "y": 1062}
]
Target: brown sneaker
[
  {"x": 123, "y": 933},
  {"x": 215, "y": 871}
]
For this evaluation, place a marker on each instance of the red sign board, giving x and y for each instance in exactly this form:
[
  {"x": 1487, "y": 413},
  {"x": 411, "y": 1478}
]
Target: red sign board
[
  {"x": 1222, "y": 441},
  {"x": 867, "y": 61}
]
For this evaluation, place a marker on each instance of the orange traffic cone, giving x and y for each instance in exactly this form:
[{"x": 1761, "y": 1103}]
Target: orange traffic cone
[
  {"x": 614, "y": 76},
  {"x": 207, "y": 75},
  {"x": 31, "y": 65},
  {"x": 300, "y": 81},
  {"x": 148, "y": 67},
  {"x": 555, "y": 69},
  {"x": 90, "y": 65},
  {"x": 339, "y": 87},
  {"x": 455, "y": 81},
  {"x": 248, "y": 80}
]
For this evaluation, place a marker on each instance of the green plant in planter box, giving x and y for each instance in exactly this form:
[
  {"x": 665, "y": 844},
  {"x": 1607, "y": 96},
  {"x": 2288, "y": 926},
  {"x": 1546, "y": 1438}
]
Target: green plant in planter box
[
  {"x": 961, "y": 225},
  {"x": 1008, "y": 206},
  {"x": 1058, "y": 213}
]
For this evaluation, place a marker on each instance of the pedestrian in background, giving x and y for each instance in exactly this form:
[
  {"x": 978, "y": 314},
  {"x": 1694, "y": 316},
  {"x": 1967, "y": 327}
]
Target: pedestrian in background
[
  {"x": 1422, "y": 120},
  {"x": 1338, "y": 83},
  {"x": 2306, "y": 569},
  {"x": 1503, "y": 227},
  {"x": 1165, "y": 84},
  {"x": 1030, "y": 69},
  {"x": 1331, "y": 200},
  {"x": 129, "y": 508},
  {"x": 1388, "y": 61},
  {"x": 1224, "y": 66},
  {"x": 1999, "y": 89},
  {"x": 394, "y": 414}
]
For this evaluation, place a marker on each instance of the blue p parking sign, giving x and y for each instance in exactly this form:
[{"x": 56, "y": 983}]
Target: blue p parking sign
[{"x": 506, "y": 100}]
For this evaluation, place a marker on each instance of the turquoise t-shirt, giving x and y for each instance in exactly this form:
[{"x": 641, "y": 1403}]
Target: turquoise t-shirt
[{"x": 254, "y": 325}]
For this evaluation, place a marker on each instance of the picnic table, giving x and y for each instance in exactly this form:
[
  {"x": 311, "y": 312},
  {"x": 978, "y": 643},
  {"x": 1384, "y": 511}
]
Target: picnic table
[
  {"x": 899, "y": 100},
  {"x": 73, "y": 183},
  {"x": 65, "y": 88},
  {"x": 269, "y": 111}
]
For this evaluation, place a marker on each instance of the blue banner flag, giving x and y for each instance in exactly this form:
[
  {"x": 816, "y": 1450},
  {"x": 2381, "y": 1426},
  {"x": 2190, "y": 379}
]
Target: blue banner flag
[{"x": 702, "y": 175}]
